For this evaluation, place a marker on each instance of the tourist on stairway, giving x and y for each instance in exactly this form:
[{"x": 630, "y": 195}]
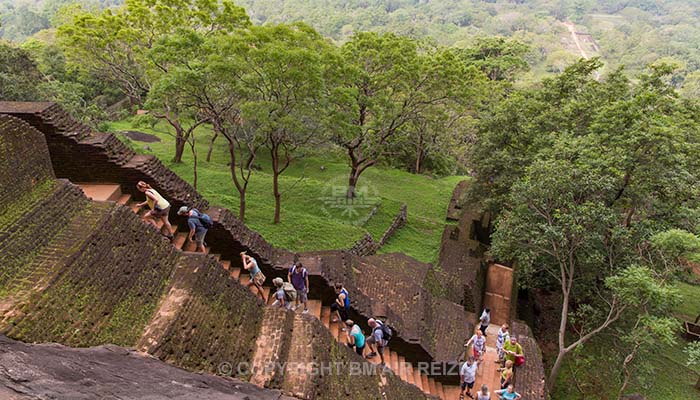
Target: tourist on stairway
[
  {"x": 501, "y": 339},
  {"x": 514, "y": 352},
  {"x": 506, "y": 374},
  {"x": 341, "y": 305},
  {"x": 159, "y": 209},
  {"x": 508, "y": 394},
  {"x": 256, "y": 276},
  {"x": 479, "y": 345},
  {"x": 377, "y": 340},
  {"x": 467, "y": 376},
  {"x": 198, "y": 226},
  {"x": 285, "y": 294},
  {"x": 355, "y": 337},
  {"x": 483, "y": 394},
  {"x": 485, "y": 320},
  {"x": 298, "y": 276}
]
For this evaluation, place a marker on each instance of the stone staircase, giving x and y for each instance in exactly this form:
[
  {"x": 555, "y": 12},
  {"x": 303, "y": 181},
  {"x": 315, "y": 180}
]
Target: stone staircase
[{"x": 272, "y": 344}]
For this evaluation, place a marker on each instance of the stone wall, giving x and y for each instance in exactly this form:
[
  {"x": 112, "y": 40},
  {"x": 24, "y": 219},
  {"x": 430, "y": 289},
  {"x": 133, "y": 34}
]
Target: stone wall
[
  {"x": 24, "y": 163},
  {"x": 82, "y": 155},
  {"x": 530, "y": 378},
  {"x": 367, "y": 246}
]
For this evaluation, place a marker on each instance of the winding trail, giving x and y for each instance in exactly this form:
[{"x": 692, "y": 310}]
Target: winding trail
[{"x": 572, "y": 30}]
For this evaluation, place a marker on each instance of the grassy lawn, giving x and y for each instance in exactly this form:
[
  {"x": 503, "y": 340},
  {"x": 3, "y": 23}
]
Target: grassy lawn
[
  {"x": 311, "y": 217},
  {"x": 669, "y": 378}
]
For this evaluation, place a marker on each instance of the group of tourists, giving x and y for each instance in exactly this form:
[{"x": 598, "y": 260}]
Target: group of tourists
[
  {"x": 294, "y": 293},
  {"x": 159, "y": 210},
  {"x": 510, "y": 356}
]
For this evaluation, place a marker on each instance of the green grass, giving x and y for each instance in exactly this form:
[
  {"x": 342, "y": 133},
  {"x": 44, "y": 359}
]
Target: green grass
[
  {"x": 309, "y": 222},
  {"x": 690, "y": 304}
]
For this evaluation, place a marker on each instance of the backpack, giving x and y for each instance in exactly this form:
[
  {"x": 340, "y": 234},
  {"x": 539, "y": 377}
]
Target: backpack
[
  {"x": 386, "y": 331},
  {"x": 204, "y": 219},
  {"x": 289, "y": 292}
]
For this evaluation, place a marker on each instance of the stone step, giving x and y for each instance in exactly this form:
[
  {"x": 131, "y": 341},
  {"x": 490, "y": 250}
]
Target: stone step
[
  {"x": 403, "y": 371},
  {"x": 326, "y": 316},
  {"x": 417, "y": 378},
  {"x": 101, "y": 191},
  {"x": 245, "y": 278},
  {"x": 235, "y": 273},
  {"x": 124, "y": 199},
  {"x": 226, "y": 264},
  {"x": 179, "y": 240},
  {"x": 440, "y": 392},
  {"x": 432, "y": 386},
  {"x": 452, "y": 392},
  {"x": 315, "y": 308},
  {"x": 425, "y": 383},
  {"x": 410, "y": 376},
  {"x": 271, "y": 345}
]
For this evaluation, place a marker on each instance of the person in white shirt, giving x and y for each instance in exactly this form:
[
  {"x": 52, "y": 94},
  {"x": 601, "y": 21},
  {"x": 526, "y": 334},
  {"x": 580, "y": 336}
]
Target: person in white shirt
[
  {"x": 467, "y": 375},
  {"x": 479, "y": 345},
  {"x": 503, "y": 336},
  {"x": 484, "y": 393},
  {"x": 485, "y": 320}
]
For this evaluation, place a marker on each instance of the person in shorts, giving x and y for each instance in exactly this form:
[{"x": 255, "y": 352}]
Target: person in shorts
[
  {"x": 485, "y": 320},
  {"x": 356, "y": 339},
  {"x": 281, "y": 299},
  {"x": 376, "y": 340},
  {"x": 257, "y": 279},
  {"x": 478, "y": 342},
  {"x": 502, "y": 337},
  {"x": 467, "y": 375},
  {"x": 159, "y": 209},
  {"x": 483, "y": 394},
  {"x": 298, "y": 276},
  {"x": 197, "y": 230},
  {"x": 341, "y": 305}
]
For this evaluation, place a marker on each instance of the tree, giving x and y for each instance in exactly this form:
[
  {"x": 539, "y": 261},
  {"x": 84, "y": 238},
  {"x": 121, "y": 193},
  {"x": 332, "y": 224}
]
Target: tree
[
  {"x": 382, "y": 82},
  {"x": 500, "y": 59},
  {"x": 19, "y": 75},
  {"x": 283, "y": 84},
  {"x": 117, "y": 45}
]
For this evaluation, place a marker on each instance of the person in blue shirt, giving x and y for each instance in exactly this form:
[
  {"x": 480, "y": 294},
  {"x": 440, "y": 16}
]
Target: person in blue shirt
[
  {"x": 197, "y": 229},
  {"x": 508, "y": 393}
]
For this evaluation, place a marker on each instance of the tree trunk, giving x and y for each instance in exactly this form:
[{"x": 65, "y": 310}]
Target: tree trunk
[
  {"x": 241, "y": 206},
  {"x": 211, "y": 146},
  {"x": 352, "y": 182},
  {"x": 194, "y": 164},
  {"x": 697, "y": 384},
  {"x": 555, "y": 370},
  {"x": 275, "y": 181},
  {"x": 419, "y": 154},
  {"x": 179, "y": 147}
]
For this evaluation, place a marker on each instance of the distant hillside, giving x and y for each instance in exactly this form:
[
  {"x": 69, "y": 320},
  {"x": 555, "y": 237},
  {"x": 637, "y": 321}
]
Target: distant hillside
[{"x": 633, "y": 33}]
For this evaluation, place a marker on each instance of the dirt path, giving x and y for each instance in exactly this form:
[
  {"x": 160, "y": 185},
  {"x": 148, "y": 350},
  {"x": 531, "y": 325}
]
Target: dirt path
[{"x": 572, "y": 30}]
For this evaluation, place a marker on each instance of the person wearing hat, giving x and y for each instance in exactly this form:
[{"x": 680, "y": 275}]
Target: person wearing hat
[
  {"x": 197, "y": 228},
  {"x": 282, "y": 298}
]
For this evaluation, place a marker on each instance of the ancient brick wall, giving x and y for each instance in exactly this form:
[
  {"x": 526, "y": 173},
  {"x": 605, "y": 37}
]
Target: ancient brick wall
[
  {"x": 24, "y": 161},
  {"x": 82, "y": 155},
  {"x": 367, "y": 246},
  {"x": 106, "y": 292},
  {"x": 530, "y": 378},
  {"x": 217, "y": 323}
]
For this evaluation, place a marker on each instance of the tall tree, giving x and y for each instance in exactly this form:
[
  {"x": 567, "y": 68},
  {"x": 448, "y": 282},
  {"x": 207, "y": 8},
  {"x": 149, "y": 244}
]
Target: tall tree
[
  {"x": 383, "y": 82},
  {"x": 283, "y": 82},
  {"x": 117, "y": 44}
]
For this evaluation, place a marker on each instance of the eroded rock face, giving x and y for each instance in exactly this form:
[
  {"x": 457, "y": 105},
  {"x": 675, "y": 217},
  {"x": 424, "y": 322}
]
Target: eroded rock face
[{"x": 51, "y": 371}]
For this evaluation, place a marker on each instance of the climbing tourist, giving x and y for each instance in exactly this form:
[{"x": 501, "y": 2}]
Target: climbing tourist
[
  {"x": 299, "y": 278},
  {"x": 483, "y": 394},
  {"x": 514, "y": 352},
  {"x": 198, "y": 223},
  {"x": 506, "y": 374},
  {"x": 341, "y": 305},
  {"x": 378, "y": 339},
  {"x": 285, "y": 294},
  {"x": 485, "y": 320},
  {"x": 478, "y": 342},
  {"x": 508, "y": 394},
  {"x": 467, "y": 375},
  {"x": 159, "y": 209},
  {"x": 501, "y": 339},
  {"x": 355, "y": 337},
  {"x": 256, "y": 276}
]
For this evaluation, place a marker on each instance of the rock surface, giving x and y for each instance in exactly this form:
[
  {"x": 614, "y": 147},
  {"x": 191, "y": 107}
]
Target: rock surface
[{"x": 51, "y": 371}]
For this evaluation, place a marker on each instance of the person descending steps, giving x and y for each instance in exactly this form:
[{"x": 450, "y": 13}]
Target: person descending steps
[{"x": 198, "y": 224}]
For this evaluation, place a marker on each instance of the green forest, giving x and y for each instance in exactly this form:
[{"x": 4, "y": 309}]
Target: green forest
[{"x": 576, "y": 123}]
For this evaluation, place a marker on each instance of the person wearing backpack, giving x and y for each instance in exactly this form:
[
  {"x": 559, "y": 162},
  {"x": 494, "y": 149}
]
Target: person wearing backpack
[
  {"x": 298, "y": 276},
  {"x": 381, "y": 334},
  {"x": 285, "y": 294},
  {"x": 341, "y": 305},
  {"x": 198, "y": 223}
]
